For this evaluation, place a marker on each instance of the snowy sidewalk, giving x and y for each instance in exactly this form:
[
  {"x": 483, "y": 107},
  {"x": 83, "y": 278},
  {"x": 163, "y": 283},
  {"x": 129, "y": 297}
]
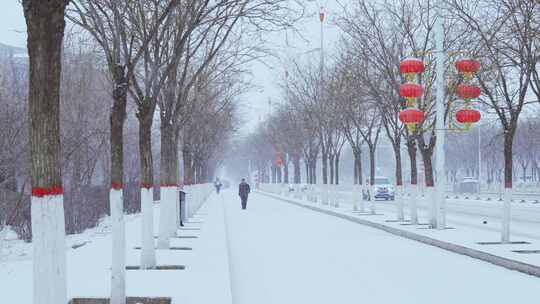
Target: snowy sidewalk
[
  {"x": 205, "y": 279},
  {"x": 462, "y": 237},
  {"x": 284, "y": 254}
]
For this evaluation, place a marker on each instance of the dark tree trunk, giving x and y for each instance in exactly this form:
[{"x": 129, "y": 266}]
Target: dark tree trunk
[
  {"x": 45, "y": 28},
  {"x": 308, "y": 172},
  {"x": 117, "y": 119},
  {"x": 45, "y": 25},
  {"x": 278, "y": 174},
  {"x": 355, "y": 169},
  {"x": 169, "y": 159},
  {"x": 145, "y": 147},
  {"x": 399, "y": 176},
  {"x": 371, "y": 165},
  {"x": 332, "y": 171},
  {"x": 186, "y": 156},
  {"x": 357, "y": 166},
  {"x": 336, "y": 168},
  {"x": 508, "y": 161},
  {"x": 296, "y": 165},
  {"x": 286, "y": 171},
  {"x": 411, "y": 149},
  {"x": 428, "y": 168},
  {"x": 325, "y": 167}
]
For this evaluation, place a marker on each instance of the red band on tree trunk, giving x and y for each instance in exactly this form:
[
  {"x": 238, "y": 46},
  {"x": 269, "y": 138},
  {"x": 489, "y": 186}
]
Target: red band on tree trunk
[
  {"x": 146, "y": 186},
  {"x": 116, "y": 186},
  {"x": 169, "y": 185},
  {"x": 508, "y": 184},
  {"x": 41, "y": 192}
]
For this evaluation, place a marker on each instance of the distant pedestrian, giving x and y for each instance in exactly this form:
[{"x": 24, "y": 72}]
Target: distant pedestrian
[
  {"x": 243, "y": 192},
  {"x": 218, "y": 185}
]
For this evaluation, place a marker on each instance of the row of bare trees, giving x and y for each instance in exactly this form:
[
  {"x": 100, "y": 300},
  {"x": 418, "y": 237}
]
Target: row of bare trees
[
  {"x": 355, "y": 97},
  {"x": 179, "y": 63}
]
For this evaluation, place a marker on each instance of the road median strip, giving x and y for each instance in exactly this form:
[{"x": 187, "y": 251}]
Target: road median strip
[{"x": 473, "y": 253}]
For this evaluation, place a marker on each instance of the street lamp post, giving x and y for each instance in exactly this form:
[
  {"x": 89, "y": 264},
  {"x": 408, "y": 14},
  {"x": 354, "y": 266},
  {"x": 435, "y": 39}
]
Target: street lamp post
[
  {"x": 479, "y": 160},
  {"x": 321, "y": 18},
  {"x": 440, "y": 201}
]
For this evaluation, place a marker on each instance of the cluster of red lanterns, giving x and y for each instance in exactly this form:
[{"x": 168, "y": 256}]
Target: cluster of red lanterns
[
  {"x": 411, "y": 90},
  {"x": 467, "y": 92}
]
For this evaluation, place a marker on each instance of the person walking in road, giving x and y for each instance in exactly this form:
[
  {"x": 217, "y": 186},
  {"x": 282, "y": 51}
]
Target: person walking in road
[
  {"x": 243, "y": 192},
  {"x": 218, "y": 185}
]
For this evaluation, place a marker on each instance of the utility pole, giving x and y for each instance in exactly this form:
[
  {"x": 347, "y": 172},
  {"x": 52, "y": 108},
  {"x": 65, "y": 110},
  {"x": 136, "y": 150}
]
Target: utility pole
[
  {"x": 321, "y": 18},
  {"x": 440, "y": 201},
  {"x": 479, "y": 160}
]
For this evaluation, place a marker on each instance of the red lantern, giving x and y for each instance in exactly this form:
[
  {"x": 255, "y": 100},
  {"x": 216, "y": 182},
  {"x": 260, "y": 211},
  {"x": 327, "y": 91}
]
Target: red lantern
[
  {"x": 467, "y": 117},
  {"x": 467, "y": 67},
  {"x": 411, "y": 66},
  {"x": 410, "y": 91},
  {"x": 467, "y": 92},
  {"x": 411, "y": 117}
]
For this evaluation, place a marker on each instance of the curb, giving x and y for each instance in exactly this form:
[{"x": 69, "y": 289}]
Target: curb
[{"x": 473, "y": 253}]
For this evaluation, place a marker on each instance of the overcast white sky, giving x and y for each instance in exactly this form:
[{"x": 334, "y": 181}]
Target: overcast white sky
[{"x": 265, "y": 76}]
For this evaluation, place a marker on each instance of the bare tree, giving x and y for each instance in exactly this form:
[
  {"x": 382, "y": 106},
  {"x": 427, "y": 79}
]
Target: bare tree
[
  {"x": 45, "y": 27},
  {"x": 509, "y": 56}
]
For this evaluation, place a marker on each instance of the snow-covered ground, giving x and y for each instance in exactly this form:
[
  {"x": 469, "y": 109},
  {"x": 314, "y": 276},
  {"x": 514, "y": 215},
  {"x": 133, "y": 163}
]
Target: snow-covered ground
[
  {"x": 285, "y": 254},
  {"x": 205, "y": 279},
  {"x": 275, "y": 252}
]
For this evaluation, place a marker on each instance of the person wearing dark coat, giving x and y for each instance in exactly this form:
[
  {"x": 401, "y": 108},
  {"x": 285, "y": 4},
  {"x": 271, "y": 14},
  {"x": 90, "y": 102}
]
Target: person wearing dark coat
[
  {"x": 217, "y": 185},
  {"x": 243, "y": 192}
]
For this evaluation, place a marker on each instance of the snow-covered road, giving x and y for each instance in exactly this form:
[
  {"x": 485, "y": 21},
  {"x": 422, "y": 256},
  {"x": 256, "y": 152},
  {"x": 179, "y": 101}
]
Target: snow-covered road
[{"x": 281, "y": 253}]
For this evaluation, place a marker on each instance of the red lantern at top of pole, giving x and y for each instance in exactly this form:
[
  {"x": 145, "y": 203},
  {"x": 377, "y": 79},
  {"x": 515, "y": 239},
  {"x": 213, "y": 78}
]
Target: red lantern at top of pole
[
  {"x": 321, "y": 14},
  {"x": 467, "y": 67},
  {"x": 411, "y": 66}
]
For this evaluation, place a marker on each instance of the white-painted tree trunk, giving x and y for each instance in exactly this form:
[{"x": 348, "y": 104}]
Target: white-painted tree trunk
[
  {"x": 372, "y": 200},
  {"x": 166, "y": 222},
  {"x": 177, "y": 209},
  {"x": 362, "y": 201},
  {"x": 118, "y": 262},
  {"x": 324, "y": 194},
  {"x": 148, "y": 252},
  {"x": 398, "y": 196},
  {"x": 412, "y": 204},
  {"x": 357, "y": 196},
  {"x": 506, "y": 215},
  {"x": 430, "y": 198},
  {"x": 49, "y": 247}
]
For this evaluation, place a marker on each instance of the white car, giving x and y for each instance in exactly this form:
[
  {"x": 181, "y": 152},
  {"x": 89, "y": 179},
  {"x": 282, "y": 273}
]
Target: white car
[{"x": 383, "y": 188}]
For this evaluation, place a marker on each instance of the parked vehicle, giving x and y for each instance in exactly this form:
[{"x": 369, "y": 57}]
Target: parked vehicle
[
  {"x": 383, "y": 189},
  {"x": 467, "y": 185}
]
